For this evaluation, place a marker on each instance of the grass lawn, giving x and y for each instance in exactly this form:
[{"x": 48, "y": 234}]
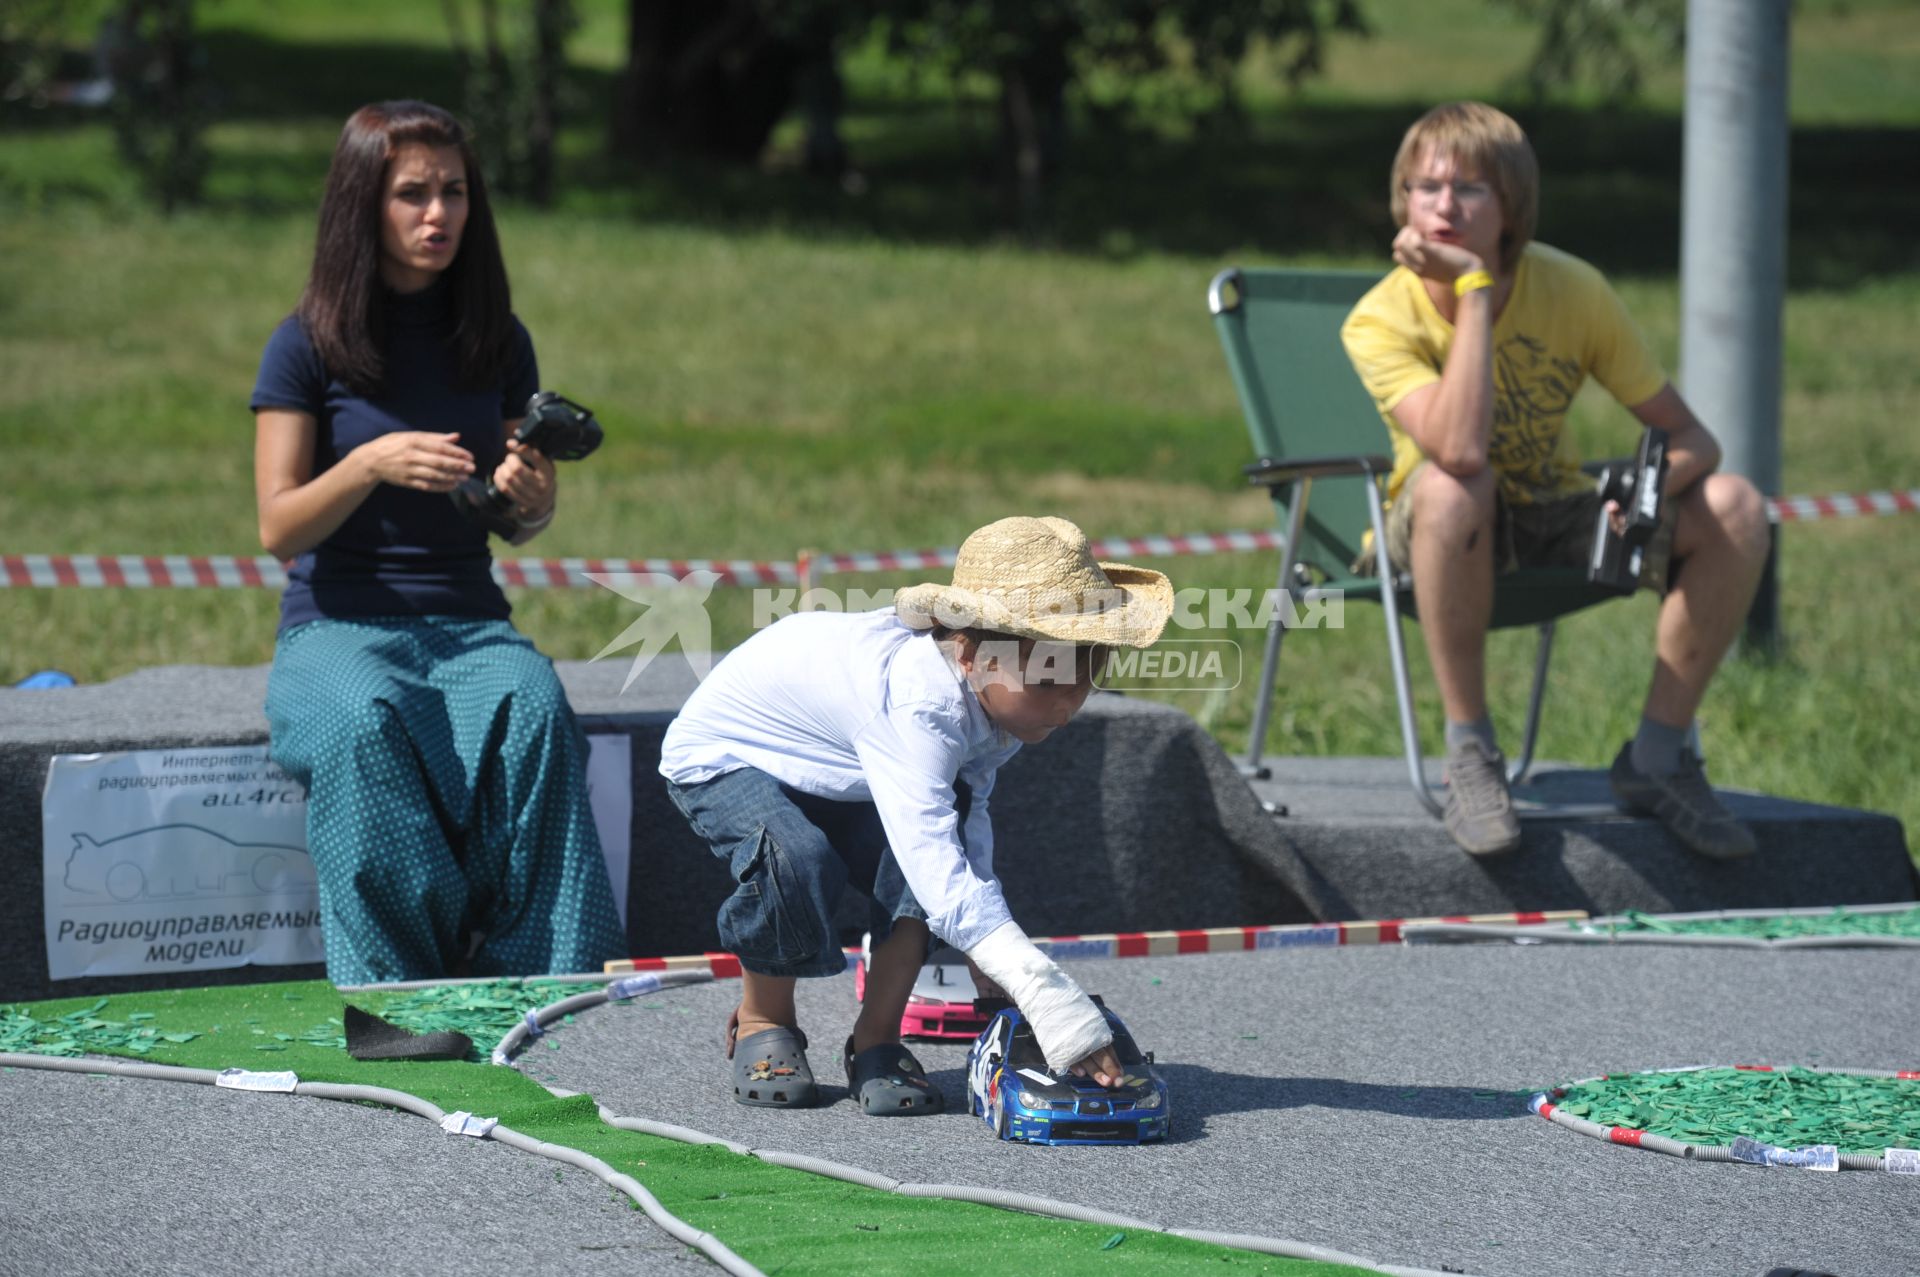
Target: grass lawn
[{"x": 782, "y": 365}]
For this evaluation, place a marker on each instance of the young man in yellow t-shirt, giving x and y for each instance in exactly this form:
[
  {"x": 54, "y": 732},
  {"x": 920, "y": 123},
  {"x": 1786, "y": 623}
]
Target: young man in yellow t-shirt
[{"x": 1473, "y": 349}]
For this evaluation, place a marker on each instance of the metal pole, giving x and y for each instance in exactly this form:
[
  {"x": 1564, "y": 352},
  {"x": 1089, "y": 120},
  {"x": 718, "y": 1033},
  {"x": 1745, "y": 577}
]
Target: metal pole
[
  {"x": 1277, "y": 628},
  {"x": 1733, "y": 242}
]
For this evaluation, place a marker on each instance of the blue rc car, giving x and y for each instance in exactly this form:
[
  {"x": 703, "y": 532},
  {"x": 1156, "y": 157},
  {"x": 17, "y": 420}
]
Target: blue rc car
[{"x": 1010, "y": 1086}]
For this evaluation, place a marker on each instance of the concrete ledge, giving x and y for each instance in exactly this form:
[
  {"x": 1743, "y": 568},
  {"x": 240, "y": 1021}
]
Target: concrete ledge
[
  {"x": 1365, "y": 848},
  {"x": 1131, "y": 818}
]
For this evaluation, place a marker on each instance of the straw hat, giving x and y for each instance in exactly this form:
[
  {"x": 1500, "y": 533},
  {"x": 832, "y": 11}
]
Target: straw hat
[{"x": 1036, "y": 578}]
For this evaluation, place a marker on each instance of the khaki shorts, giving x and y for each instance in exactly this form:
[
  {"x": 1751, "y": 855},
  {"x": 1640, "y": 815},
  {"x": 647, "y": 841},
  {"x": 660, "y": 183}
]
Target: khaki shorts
[{"x": 1544, "y": 534}]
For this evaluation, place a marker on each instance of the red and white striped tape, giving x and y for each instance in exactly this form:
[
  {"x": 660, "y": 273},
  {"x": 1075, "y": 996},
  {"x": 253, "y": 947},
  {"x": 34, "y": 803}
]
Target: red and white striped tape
[
  {"x": 576, "y": 573},
  {"x": 1842, "y": 506},
  {"x": 142, "y": 571},
  {"x": 1157, "y": 547},
  {"x": 217, "y": 571},
  {"x": 1155, "y": 944}
]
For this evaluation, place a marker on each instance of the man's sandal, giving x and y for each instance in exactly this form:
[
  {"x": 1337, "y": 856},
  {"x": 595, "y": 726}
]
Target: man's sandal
[
  {"x": 770, "y": 1067},
  {"x": 886, "y": 1081}
]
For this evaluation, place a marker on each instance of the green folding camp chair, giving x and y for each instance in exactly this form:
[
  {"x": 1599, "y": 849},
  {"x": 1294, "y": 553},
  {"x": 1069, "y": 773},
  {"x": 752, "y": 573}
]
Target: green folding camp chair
[{"x": 1315, "y": 430}]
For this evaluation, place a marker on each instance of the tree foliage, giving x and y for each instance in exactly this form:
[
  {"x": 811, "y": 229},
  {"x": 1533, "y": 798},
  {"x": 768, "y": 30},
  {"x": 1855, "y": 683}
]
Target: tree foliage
[
  {"x": 1036, "y": 51},
  {"x": 31, "y": 33},
  {"x": 512, "y": 78},
  {"x": 161, "y": 102},
  {"x": 713, "y": 77},
  {"x": 1601, "y": 41},
  {"x": 144, "y": 70},
  {"x": 1137, "y": 37}
]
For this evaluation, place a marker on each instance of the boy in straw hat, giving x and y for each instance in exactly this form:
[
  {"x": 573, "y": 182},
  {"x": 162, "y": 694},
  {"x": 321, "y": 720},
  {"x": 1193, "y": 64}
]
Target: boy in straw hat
[{"x": 860, "y": 748}]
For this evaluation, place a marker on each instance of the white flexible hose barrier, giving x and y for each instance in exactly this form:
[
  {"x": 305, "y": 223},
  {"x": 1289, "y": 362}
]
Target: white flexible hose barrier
[
  {"x": 709, "y": 1245},
  {"x": 636, "y": 986}
]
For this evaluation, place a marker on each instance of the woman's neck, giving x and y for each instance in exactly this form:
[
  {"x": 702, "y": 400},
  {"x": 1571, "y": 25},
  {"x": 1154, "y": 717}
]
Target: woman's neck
[{"x": 405, "y": 280}]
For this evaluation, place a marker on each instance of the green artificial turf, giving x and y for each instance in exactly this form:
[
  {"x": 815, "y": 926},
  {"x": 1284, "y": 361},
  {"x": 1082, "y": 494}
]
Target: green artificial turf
[
  {"x": 1841, "y": 922},
  {"x": 775, "y": 1218},
  {"x": 1786, "y": 1107},
  {"x": 484, "y": 1011}
]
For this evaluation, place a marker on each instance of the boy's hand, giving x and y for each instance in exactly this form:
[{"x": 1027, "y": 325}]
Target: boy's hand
[
  {"x": 1432, "y": 258},
  {"x": 1103, "y": 1066}
]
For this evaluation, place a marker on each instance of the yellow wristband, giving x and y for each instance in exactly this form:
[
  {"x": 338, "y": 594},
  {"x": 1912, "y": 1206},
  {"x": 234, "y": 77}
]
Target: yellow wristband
[{"x": 1470, "y": 281}]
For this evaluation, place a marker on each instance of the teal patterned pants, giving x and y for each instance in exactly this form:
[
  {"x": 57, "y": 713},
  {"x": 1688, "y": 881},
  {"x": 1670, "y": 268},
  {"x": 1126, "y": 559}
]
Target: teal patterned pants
[{"x": 446, "y": 798}]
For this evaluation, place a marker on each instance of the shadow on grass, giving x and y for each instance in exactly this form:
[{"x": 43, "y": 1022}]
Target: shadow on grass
[
  {"x": 263, "y": 79},
  {"x": 1310, "y": 180},
  {"x": 1307, "y": 179}
]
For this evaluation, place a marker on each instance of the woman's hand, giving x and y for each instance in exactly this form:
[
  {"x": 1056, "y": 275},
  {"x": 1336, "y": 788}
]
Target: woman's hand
[
  {"x": 1104, "y": 1066},
  {"x": 527, "y": 479},
  {"x": 417, "y": 459},
  {"x": 1433, "y": 259}
]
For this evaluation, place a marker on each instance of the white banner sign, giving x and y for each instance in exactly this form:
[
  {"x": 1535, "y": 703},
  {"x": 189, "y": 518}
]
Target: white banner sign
[
  {"x": 610, "y": 794},
  {"x": 175, "y": 860},
  {"x": 195, "y": 859}
]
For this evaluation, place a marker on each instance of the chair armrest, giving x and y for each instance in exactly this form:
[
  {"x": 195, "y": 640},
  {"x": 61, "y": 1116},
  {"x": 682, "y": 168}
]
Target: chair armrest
[{"x": 1269, "y": 473}]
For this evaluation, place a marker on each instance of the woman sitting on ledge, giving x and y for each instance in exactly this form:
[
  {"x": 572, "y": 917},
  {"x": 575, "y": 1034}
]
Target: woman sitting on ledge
[{"x": 447, "y": 811}]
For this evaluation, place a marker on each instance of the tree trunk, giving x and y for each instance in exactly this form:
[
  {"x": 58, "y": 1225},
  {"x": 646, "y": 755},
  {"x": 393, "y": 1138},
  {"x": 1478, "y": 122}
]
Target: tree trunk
[
  {"x": 551, "y": 19},
  {"x": 705, "y": 77},
  {"x": 1033, "y": 129}
]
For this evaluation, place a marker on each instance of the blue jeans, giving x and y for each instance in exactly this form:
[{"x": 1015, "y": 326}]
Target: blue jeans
[{"x": 792, "y": 855}]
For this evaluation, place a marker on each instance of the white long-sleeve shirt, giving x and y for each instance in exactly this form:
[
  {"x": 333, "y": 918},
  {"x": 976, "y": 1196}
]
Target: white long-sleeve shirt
[{"x": 857, "y": 706}]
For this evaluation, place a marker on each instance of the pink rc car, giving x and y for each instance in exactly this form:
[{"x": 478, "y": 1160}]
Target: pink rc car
[{"x": 941, "y": 1004}]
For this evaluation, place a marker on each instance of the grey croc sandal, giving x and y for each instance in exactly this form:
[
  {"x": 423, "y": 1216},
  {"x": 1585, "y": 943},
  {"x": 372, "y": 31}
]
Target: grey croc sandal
[
  {"x": 770, "y": 1069},
  {"x": 886, "y": 1081}
]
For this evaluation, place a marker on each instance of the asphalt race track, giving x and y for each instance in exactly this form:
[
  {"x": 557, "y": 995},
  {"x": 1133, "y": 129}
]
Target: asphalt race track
[
  {"x": 1367, "y": 1099},
  {"x": 1370, "y": 1100}
]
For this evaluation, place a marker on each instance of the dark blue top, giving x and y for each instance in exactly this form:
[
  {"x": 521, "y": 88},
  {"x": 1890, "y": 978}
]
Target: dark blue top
[{"x": 403, "y": 552}]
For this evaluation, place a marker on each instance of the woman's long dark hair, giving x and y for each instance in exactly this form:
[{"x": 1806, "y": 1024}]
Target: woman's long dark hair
[{"x": 342, "y": 310}]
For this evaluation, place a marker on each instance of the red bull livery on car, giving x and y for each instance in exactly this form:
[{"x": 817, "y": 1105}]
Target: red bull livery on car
[{"x": 1010, "y": 1086}]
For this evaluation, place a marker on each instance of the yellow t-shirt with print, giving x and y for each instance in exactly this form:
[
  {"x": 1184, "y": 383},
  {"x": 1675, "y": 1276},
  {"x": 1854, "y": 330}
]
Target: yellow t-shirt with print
[{"x": 1562, "y": 324}]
